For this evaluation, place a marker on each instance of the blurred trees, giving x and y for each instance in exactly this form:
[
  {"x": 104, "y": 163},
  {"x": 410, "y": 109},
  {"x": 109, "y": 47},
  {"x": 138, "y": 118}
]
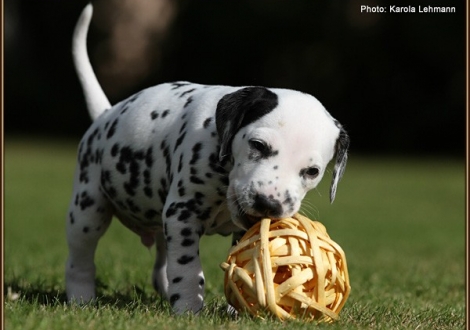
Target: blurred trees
[{"x": 396, "y": 81}]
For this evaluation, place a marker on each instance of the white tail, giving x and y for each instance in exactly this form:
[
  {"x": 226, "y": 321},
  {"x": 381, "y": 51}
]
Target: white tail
[{"x": 96, "y": 100}]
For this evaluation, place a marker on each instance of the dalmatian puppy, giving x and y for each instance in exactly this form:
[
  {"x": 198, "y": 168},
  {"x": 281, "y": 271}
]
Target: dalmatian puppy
[{"x": 179, "y": 160}]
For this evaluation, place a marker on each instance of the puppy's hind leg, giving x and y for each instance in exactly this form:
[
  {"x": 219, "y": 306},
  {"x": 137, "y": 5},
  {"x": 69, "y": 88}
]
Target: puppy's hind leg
[
  {"x": 159, "y": 277},
  {"x": 88, "y": 219}
]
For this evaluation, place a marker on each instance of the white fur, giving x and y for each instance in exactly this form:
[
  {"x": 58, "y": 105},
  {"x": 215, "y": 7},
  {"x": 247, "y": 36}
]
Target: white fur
[{"x": 96, "y": 100}]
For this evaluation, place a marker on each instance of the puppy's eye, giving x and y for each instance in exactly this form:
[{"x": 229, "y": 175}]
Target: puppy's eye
[
  {"x": 259, "y": 145},
  {"x": 310, "y": 172}
]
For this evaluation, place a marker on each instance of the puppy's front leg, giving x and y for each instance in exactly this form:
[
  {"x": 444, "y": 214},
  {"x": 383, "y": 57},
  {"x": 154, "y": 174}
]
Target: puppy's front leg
[{"x": 184, "y": 271}]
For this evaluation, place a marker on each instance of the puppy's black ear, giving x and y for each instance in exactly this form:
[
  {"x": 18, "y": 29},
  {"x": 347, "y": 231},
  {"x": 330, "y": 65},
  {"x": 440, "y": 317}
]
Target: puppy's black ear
[
  {"x": 342, "y": 146},
  {"x": 237, "y": 110}
]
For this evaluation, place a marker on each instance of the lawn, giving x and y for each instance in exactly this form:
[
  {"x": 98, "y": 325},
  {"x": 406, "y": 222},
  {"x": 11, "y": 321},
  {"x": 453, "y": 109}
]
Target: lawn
[{"x": 400, "y": 221}]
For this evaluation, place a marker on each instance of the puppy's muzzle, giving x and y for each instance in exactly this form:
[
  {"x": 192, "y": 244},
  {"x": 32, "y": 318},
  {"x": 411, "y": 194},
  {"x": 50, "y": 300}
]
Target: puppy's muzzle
[
  {"x": 267, "y": 206},
  {"x": 261, "y": 206}
]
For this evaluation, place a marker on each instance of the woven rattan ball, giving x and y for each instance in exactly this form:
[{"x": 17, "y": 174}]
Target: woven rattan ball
[{"x": 289, "y": 268}]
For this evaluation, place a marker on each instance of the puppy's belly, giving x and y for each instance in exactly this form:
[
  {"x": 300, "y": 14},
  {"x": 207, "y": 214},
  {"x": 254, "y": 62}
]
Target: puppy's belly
[{"x": 144, "y": 228}]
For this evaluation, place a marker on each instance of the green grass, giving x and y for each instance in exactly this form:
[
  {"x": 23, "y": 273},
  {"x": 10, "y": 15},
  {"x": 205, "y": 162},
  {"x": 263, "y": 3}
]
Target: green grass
[{"x": 401, "y": 223}]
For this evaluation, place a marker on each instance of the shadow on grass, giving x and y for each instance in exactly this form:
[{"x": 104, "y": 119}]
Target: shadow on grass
[
  {"x": 46, "y": 296},
  {"x": 34, "y": 295},
  {"x": 134, "y": 299}
]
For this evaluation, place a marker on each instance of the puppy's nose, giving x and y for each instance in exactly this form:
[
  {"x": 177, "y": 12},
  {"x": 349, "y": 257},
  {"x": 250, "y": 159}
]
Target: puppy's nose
[{"x": 267, "y": 206}]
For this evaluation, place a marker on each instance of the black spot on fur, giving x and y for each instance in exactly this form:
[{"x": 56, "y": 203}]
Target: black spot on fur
[
  {"x": 177, "y": 85},
  {"x": 147, "y": 179},
  {"x": 198, "y": 195},
  {"x": 216, "y": 166},
  {"x": 190, "y": 99},
  {"x": 133, "y": 97},
  {"x": 149, "y": 157},
  {"x": 166, "y": 153},
  {"x": 260, "y": 151},
  {"x": 121, "y": 168},
  {"x": 148, "y": 192},
  {"x": 85, "y": 201},
  {"x": 196, "y": 180},
  {"x": 221, "y": 192},
  {"x": 139, "y": 155},
  {"x": 112, "y": 129},
  {"x": 204, "y": 215},
  {"x": 180, "y": 164},
  {"x": 163, "y": 183},
  {"x": 154, "y": 115},
  {"x": 162, "y": 194},
  {"x": 179, "y": 140},
  {"x": 92, "y": 136},
  {"x": 183, "y": 127},
  {"x": 187, "y": 92},
  {"x": 171, "y": 211},
  {"x": 165, "y": 113},
  {"x": 196, "y": 149},
  {"x": 181, "y": 190},
  {"x": 183, "y": 260},
  {"x": 126, "y": 154},
  {"x": 174, "y": 298},
  {"x": 288, "y": 198},
  {"x": 177, "y": 279},
  {"x": 224, "y": 180},
  {"x": 115, "y": 150},
  {"x": 207, "y": 122},
  {"x": 186, "y": 232},
  {"x": 184, "y": 215},
  {"x": 105, "y": 181},
  {"x": 132, "y": 206},
  {"x": 187, "y": 242}
]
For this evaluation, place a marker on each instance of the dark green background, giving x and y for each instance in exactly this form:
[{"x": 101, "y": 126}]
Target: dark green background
[{"x": 396, "y": 81}]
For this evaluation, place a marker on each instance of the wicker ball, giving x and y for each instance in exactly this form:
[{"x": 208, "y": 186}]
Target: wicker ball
[{"x": 289, "y": 268}]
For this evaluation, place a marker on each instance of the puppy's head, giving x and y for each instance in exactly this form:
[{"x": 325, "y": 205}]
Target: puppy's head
[{"x": 280, "y": 142}]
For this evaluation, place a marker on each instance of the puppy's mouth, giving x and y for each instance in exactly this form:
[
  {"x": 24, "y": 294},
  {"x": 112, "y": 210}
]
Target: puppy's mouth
[
  {"x": 249, "y": 220},
  {"x": 246, "y": 220}
]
